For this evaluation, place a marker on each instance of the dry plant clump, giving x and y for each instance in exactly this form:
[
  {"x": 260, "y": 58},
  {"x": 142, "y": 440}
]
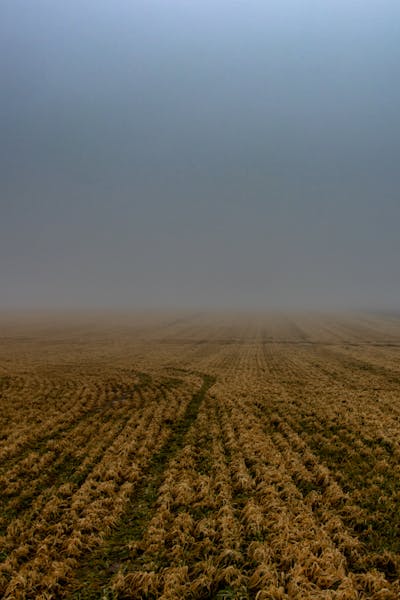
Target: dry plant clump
[{"x": 255, "y": 457}]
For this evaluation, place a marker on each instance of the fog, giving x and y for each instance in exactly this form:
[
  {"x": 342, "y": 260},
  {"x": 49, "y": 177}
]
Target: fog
[{"x": 239, "y": 154}]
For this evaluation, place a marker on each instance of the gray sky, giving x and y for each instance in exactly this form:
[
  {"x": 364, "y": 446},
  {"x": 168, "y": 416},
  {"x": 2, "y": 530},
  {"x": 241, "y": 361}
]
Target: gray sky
[{"x": 199, "y": 153}]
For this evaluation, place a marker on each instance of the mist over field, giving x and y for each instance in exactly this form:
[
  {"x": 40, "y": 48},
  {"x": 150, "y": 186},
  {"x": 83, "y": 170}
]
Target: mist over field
[
  {"x": 199, "y": 154},
  {"x": 199, "y": 301}
]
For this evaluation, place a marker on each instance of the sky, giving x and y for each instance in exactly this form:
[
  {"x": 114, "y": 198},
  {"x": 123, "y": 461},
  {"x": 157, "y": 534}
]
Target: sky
[{"x": 199, "y": 154}]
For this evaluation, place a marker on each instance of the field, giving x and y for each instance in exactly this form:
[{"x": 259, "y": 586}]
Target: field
[{"x": 197, "y": 456}]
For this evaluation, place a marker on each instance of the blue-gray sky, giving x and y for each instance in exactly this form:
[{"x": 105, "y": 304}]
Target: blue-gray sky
[{"x": 196, "y": 153}]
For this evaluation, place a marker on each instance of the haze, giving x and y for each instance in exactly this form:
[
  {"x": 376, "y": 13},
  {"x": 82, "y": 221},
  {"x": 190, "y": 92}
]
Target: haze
[{"x": 199, "y": 154}]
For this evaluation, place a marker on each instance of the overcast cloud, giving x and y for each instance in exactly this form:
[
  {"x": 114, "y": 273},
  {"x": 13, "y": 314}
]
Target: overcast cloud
[{"x": 199, "y": 154}]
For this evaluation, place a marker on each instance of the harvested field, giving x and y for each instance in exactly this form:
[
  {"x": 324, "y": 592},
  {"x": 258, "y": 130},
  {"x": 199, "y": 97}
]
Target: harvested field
[{"x": 200, "y": 456}]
